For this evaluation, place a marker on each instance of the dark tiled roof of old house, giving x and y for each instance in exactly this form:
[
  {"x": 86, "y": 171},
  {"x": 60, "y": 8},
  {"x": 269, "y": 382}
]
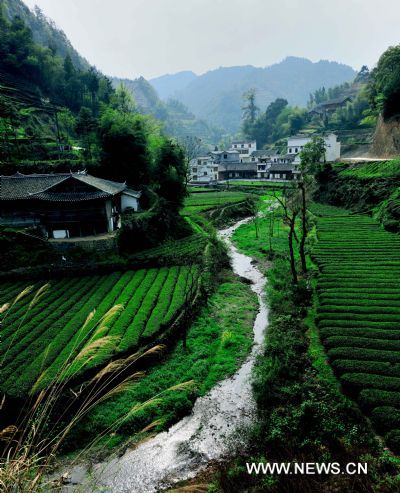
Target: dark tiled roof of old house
[
  {"x": 320, "y": 108},
  {"x": 42, "y": 187}
]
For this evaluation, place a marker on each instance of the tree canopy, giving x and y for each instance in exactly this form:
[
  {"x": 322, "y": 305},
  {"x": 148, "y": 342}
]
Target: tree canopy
[{"x": 384, "y": 84}]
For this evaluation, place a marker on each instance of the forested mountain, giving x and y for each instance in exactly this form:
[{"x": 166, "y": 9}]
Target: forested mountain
[
  {"x": 44, "y": 30},
  {"x": 216, "y": 96},
  {"x": 47, "y": 103}
]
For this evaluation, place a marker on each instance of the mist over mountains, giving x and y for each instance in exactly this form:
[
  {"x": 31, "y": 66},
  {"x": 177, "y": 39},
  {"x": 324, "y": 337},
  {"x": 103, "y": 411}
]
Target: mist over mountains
[{"x": 216, "y": 96}]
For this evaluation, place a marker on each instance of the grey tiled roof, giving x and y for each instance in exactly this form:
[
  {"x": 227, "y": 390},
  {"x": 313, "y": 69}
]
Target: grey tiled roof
[
  {"x": 238, "y": 167},
  {"x": 332, "y": 102},
  {"x": 243, "y": 142},
  {"x": 39, "y": 187},
  {"x": 110, "y": 187},
  {"x": 266, "y": 152},
  {"x": 70, "y": 197},
  {"x": 281, "y": 167}
]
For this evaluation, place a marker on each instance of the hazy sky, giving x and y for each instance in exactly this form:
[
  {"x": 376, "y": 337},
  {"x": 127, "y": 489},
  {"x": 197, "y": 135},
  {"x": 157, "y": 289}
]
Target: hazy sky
[{"x": 128, "y": 38}]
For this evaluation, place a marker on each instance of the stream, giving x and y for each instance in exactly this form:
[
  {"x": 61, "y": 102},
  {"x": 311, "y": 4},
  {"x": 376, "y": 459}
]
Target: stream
[{"x": 210, "y": 433}]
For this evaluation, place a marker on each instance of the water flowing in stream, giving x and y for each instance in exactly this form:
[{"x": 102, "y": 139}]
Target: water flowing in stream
[{"x": 208, "y": 433}]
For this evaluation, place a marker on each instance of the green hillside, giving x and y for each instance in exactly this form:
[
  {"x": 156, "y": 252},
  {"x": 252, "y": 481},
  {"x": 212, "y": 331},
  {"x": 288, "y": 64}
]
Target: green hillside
[{"x": 44, "y": 30}]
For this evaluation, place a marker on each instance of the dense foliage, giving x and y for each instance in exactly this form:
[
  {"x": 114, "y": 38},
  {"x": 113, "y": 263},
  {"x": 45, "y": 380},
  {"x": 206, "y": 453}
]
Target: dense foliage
[
  {"x": 279, "y": 120},
  {"x": 51, "y": 75},
  {"x": 384, "y": 86}
]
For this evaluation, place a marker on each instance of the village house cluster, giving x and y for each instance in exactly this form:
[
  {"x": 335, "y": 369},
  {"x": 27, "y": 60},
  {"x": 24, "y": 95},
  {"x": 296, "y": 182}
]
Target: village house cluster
[{"x": 242, "y": 161}]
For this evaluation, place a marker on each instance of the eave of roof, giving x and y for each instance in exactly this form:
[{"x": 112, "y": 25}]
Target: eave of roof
[{"x": 132, "y": 193}]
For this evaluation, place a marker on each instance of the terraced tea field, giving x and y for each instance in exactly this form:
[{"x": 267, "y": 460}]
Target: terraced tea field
[
  {"x": 183, "y": 251},
  {"x": 359, "y": 311},
  {"x": 42, "y": 336},
  {"x": 199, "y": 202},
  {"x": 379, "y": 169}
]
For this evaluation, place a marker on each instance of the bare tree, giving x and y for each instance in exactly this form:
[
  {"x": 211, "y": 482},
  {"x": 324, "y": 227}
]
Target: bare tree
[
  {"x": 289, "y": 201},
  {"x": 192, "y": 146},
  {"x": 271, "y": 228}
]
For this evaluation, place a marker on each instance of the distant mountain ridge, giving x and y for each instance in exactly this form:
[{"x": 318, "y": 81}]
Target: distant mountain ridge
[
  {"x": 178, "y": 121},
  {"x": 167, "y": 85},
  {"x": 216, "y": 96}
]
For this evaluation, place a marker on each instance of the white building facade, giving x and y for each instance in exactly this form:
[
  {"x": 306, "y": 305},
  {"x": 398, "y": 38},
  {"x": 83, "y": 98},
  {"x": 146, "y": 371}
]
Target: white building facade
[
  {"x": 296, "y": 145},
  {"x": 203, "y": 170},
  {"x": 245, "y": 149}
]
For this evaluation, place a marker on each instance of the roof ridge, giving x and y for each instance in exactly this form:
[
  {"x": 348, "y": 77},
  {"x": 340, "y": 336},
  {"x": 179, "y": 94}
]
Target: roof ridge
[
  {"x": 49, "y": 187},
  {"x": 114, "y": 183}
]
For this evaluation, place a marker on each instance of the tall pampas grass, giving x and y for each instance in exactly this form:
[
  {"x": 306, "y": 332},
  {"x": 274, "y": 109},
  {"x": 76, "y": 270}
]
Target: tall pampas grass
[{"x": 30, "y": 446}]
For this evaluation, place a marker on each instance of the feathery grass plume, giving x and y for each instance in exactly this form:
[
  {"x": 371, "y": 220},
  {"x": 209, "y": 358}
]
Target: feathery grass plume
[
  {"x": 89, "y": 318},
  {"x": 8, "y": 432},
  {"x": 36, "y": 385},
  {"x": 142, "y": 406},
  {"x": 39, "y": 294},
  {"x": 155, "y": 350},
  {"x": 95, "y": 347},
  {"x": 102, "y": 324},
  {"x": 22, "y": 294},
  {"x": 4, "y": 308},
  {"x": 182, "y": 386},
  {"x": 122, "y": 387},
  {"x": 121, "y": 364},
  {"x": 99, "y": 347},
  {"x": 112, "y": 367},
  {"x": 39, "y": 399},
  {"x": 151, "y": 426}
]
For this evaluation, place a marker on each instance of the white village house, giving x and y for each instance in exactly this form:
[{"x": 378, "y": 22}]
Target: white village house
[
  {"x": 297, "y": 142},
  {"x": 245, "y": 149},
  {"x": 203, "y": 169},
  {"x": 276, "y": 167}
]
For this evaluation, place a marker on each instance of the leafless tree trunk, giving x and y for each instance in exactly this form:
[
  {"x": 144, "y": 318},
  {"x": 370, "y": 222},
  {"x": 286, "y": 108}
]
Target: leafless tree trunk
[
  {"x": 292, "y": 224},
  {"x": 271, "y": 228},
  {"x": 304, "y": 231},
  {"x": 290, "y": 214}
]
